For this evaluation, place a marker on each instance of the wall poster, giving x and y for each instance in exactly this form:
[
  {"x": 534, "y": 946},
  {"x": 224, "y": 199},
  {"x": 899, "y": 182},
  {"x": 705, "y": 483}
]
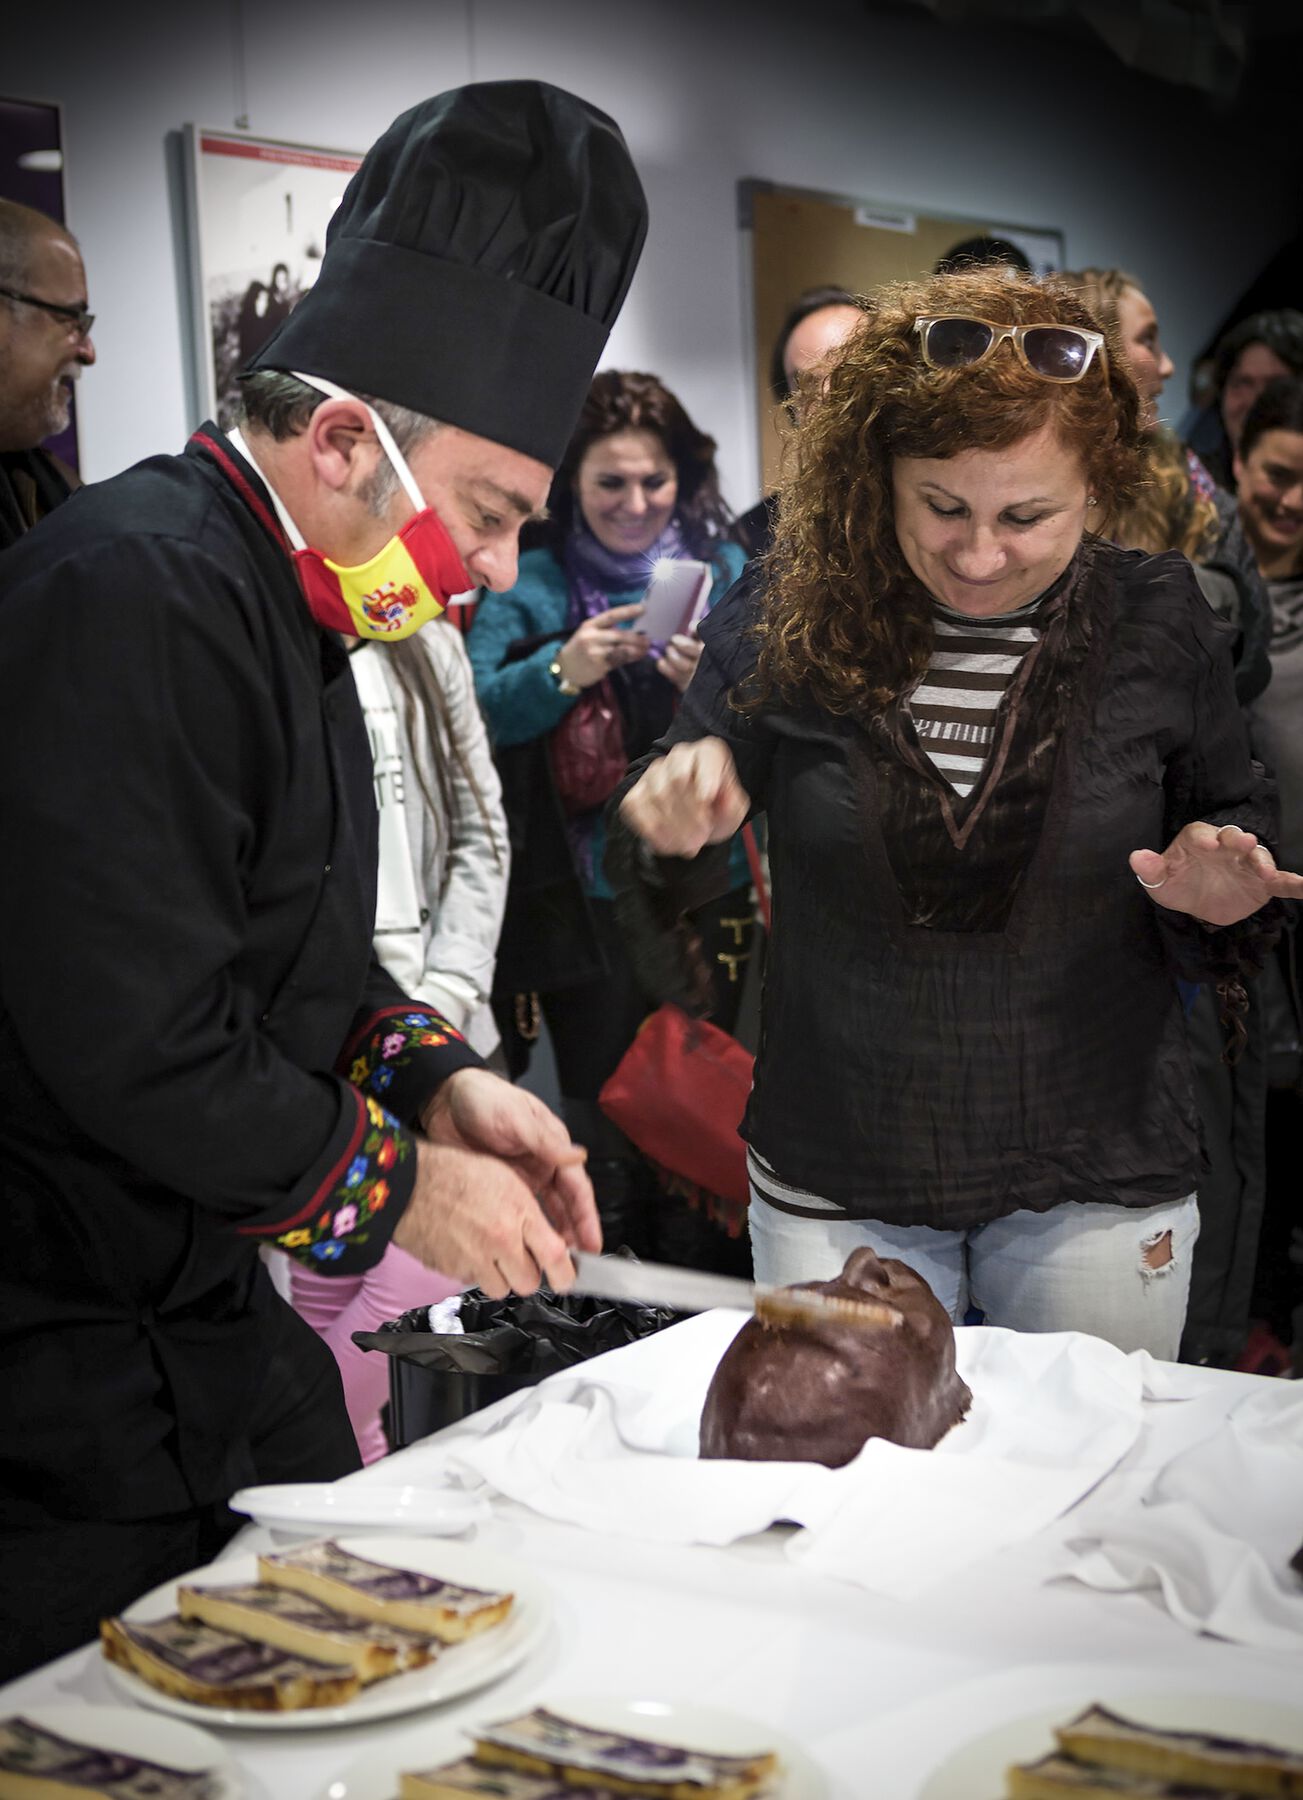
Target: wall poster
[{"x": 259, "y": 211}]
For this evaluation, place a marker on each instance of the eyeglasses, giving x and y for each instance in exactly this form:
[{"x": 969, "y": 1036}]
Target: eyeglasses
[
  {"x": 80, "y": 318},
  {"x": 1053, "y": 352}
]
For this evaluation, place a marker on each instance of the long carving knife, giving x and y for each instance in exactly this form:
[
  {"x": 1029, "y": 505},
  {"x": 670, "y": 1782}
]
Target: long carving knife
[{"x": 693, "y": 1290}]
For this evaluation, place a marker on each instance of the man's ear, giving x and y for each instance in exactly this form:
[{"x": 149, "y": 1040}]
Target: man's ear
[
  {"x": 342, "y": 444},
  {"x": 1237, "y": 468}
]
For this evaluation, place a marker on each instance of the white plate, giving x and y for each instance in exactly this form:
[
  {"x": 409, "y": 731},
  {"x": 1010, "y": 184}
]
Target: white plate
[
  {"x": 134, "y": 1733},
  {"x": 458, "y": 1670},
  {"x": 323, "y": 1508},
  {"x": 688, "y": 1725},
  {"x": 976, "y": 1772}
]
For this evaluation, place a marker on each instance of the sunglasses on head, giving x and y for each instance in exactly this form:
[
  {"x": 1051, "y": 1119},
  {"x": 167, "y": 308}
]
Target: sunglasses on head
[{"x": 1053, "y": 352}]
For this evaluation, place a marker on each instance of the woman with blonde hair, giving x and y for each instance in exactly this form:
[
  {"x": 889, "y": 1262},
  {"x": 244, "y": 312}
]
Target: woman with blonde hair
[
  {"x": 1009, "y": 799},
  {"x": 1179, "y": 506}
]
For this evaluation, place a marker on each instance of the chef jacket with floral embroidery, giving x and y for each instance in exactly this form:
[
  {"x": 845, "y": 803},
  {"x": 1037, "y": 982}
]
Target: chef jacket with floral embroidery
[{"x": 199, "y": 1052}]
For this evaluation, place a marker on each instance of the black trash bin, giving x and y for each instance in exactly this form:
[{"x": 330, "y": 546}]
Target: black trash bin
[{"x": 437, "y": 1378}]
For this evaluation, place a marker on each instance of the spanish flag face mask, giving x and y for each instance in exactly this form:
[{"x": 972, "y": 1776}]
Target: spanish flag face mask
[{"x": 409, "y": 580}]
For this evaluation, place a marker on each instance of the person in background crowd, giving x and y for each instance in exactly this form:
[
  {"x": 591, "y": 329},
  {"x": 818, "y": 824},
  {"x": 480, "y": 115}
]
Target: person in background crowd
[
  {"x": 1009, "y": 796},
  {"x": 982, "y": 252},
  {"x": 1180, "y": 508},
  {"x": 817, "y": 322},
  {"x": 201, "y": 1052},
  {"x": 1269, "y": 482},
  {"x": 45, "y": 343},
  {"x": 1257, "y": 350},
  {"x": 637, "y": 484},
  {"x": 442, "y": 887}
]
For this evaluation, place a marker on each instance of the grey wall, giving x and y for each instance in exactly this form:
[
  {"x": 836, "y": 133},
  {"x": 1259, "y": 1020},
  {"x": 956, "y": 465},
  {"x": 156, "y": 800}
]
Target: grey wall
[{"x": 819, "y": 95}]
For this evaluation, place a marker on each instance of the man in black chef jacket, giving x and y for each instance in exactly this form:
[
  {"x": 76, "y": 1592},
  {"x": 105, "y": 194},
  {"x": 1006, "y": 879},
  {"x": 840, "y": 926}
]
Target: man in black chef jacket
[{"x": 199, "y": 1053}]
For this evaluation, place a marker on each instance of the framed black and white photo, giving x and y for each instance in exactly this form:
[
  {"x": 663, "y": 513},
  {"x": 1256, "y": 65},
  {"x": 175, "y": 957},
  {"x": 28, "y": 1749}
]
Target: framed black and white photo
[{"x": 259, "y": 211}]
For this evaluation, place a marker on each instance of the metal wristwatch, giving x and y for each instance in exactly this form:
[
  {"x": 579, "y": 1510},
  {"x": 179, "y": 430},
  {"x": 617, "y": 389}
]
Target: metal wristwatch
[{"x": 564, "y": 686}]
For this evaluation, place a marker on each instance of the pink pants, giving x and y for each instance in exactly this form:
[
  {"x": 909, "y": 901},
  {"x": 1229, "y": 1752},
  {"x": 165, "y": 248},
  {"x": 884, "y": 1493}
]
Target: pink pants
[{"x": 337, "y": 1306}]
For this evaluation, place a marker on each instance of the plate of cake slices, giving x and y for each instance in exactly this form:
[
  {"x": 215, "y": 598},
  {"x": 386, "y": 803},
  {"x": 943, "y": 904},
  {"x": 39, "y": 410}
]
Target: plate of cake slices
[
  {"x": 339, "y": 1631},
  {"x": 589, "y": 1748},
  {"x": 1168, "y": 1746},
  {"x": 111, "y": 1750}
]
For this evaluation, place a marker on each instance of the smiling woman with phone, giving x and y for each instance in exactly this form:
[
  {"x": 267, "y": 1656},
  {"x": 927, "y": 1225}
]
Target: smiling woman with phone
[{"x": 574, "y": 688}]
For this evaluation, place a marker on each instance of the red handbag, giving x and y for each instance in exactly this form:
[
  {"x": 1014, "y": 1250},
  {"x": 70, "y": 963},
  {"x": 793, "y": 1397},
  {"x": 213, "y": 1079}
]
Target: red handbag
[
  {"x": 678, "y": 1093},
  {"x": 588, "y": 754}
]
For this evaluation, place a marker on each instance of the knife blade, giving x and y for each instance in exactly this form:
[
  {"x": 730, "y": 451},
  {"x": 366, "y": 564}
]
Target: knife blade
[{"x": 694, "y": 1290}]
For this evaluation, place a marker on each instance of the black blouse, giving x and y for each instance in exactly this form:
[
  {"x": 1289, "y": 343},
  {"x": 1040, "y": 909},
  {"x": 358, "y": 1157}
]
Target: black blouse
[{"x": 971, "y": 1007}]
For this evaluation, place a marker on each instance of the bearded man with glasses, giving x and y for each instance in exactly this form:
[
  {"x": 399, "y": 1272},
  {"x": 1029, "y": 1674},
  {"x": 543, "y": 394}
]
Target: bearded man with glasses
[{"x": 45, "y": 343}]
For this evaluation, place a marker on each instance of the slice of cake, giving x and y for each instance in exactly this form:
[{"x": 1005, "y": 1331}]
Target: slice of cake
[
  {"x": 372, "y": 1590},
  {"x": 1104, "y": 1739},
  {"x": 36, "y": 1764},
  {"x": 290, "y": 1621},
  {"x": 192, "y": 1661},
  {"x": 544, "y": 1743},
  {"x": 455, "y": 1781},
  {"x": 1057, "y": 1777}
]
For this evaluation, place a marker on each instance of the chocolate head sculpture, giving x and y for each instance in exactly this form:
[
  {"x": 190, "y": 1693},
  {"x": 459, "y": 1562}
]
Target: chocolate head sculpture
[{"x": 815, "y": 1391}]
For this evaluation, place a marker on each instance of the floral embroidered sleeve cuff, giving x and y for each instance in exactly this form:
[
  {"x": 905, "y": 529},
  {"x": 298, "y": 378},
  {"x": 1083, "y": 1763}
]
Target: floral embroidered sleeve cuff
[
  {"x": 340, "y": 1216},
  {"x": 402, "y": 1054},
  {"x": 355, "y": 1211}
]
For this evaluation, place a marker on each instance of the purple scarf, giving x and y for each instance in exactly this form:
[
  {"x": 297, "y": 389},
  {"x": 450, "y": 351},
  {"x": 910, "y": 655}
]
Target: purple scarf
[{"x": 594, "y": 573}]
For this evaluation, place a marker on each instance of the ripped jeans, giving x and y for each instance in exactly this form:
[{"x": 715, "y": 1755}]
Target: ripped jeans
[{"x": 1119, "y": 1272}]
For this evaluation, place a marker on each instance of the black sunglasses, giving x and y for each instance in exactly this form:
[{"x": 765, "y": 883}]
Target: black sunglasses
[{"x": 79, "y": 317}]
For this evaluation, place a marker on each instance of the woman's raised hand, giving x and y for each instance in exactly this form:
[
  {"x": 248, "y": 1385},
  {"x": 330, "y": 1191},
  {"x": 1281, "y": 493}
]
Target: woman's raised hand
[
  {"x": 688, "y": 798},
  {"x": 1217, "y": 875},
  {"x": 602, "y": 644}
]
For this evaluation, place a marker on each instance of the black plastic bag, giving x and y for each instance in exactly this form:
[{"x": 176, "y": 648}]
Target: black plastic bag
[{"x": 437, "y": 1378}]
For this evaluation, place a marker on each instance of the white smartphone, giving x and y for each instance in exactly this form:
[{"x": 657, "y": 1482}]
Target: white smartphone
[{"x": 675, "y": 599}]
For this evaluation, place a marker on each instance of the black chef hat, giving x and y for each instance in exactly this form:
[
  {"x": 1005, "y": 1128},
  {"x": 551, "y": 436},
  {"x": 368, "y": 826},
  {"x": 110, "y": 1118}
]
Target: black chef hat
[{"x": 476, "y": 263}]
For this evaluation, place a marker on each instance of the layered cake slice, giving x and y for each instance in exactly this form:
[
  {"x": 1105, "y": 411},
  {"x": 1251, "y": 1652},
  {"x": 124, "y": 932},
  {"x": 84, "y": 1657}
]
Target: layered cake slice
[
  {"x": 1104, "y": 1739},
  {"x": 371, "y": 1590},
  {"x": 460, "y": 1780},
  {"x": 36, "y": 1764},
  {"x": 1057, "y": 1777},
  {"x": 293, "y": 1622},
  {"x": 544, "y": 1743},
  {"x": 193, "y": 1661}
]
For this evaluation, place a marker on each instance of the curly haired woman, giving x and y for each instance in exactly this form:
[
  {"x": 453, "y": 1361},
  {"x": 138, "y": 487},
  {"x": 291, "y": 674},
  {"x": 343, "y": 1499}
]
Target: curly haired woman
[{"x": 1009, "y": 800}]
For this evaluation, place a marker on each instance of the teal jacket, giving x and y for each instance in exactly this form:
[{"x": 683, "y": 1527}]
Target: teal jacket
[{"x": 521, "y": 700}]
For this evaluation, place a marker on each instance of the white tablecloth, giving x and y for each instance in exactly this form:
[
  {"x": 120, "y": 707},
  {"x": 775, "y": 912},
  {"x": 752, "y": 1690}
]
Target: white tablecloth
[{"x": 747, "y": 1628}]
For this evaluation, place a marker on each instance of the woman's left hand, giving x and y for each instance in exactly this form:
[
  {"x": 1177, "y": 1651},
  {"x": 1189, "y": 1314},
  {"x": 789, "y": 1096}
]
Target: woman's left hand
[
  {"x": 1217, "y": 876},
  {"x": 678, "y": 661}
]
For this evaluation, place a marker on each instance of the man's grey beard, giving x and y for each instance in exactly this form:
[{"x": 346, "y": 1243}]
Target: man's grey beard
[
  {"x": 58, "y": 408},
  {"x": 377, "y": 491}
]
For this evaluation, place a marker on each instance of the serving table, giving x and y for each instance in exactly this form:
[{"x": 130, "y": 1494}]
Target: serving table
[{"x": 742, "y": 1628}]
